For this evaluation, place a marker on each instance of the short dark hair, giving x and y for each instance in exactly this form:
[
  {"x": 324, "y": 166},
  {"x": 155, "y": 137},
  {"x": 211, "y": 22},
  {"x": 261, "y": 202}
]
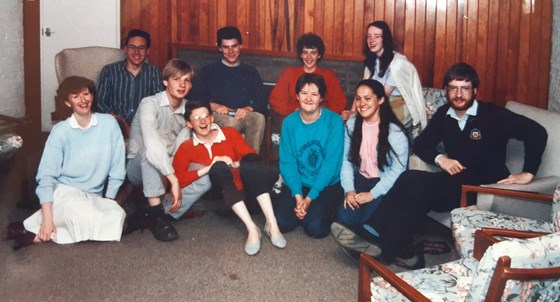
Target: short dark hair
[
  {"x": 310, "y": 40},
  {"x": 461, "y": 72},
  {"x": 226, "y": 33},
  {"x": 311, "y": 78},
  {"x": 138, "y": 33},
  {"x": 190, "y": 106}
]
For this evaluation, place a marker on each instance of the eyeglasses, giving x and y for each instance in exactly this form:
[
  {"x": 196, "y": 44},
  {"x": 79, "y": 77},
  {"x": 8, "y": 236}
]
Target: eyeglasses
[
  {"x": 455, "y": 89},
  {"x": 134, "y": 47},
  {"x": 197, "y": 118}
]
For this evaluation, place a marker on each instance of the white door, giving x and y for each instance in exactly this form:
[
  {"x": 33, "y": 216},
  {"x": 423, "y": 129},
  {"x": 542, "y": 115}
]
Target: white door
[{"x": 70, "y": 24}]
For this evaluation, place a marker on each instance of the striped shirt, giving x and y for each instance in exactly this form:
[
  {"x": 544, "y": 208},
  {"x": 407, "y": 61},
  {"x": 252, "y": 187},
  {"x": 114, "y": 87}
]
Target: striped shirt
[{"x": 119, "y": 92}]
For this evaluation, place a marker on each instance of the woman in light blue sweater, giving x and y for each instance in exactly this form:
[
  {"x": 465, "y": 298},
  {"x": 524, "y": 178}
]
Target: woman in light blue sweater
[
  {"x": 81, "y": 170},
  {"x": 376, "y": 151},
  {"x": 310, "y": 161}
]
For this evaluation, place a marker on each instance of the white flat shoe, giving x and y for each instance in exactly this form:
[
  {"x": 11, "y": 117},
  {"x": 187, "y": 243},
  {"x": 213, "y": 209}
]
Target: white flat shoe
[
  {"x": 277, "y": 241},
  {"x": 253, "y": 248}
]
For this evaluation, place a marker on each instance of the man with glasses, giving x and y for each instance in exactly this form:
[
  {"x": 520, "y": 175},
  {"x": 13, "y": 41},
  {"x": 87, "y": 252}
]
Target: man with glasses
[
  {"x": 122, "y": 85},
  {"x": 474, "y": 135}
]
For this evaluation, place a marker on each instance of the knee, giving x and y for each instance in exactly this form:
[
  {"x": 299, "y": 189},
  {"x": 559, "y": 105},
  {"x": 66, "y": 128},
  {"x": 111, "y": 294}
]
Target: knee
[
  {"x": 220, "y": 172},
  {"x": 286, "y": 224},
  {"x": 347, "y": 217}
]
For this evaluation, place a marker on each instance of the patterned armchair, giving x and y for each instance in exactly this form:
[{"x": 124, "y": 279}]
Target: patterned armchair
[
  {"x": 522, "y": 269},
  {"x": 466, "y": 220}
]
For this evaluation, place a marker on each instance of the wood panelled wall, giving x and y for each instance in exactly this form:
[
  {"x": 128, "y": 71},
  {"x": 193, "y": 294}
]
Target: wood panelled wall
[{"x": 507, "y": 41}]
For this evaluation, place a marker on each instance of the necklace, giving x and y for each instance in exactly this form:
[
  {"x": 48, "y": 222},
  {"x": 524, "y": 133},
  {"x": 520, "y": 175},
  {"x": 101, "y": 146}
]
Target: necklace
[{"x": 305, "y": 121}]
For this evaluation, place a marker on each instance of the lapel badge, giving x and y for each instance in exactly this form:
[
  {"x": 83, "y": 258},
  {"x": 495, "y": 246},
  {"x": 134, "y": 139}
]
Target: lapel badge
[{"x": 476, "y": 135}]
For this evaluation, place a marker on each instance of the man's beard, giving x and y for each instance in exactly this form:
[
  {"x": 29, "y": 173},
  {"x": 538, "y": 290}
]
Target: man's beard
[{"x": 464, "y": 103}]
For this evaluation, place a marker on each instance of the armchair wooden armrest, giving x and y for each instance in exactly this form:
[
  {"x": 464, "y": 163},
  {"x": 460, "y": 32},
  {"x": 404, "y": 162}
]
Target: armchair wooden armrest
[
  {"x": 501, "y": 192},
  {"x": 485, "y": 237},
  {"x": 367, "y": 264}
]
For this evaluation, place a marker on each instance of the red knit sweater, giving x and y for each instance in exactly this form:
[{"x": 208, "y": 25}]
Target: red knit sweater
[
  {"x": 233, "y": 146},
  {"x": 283, "y": 97}
]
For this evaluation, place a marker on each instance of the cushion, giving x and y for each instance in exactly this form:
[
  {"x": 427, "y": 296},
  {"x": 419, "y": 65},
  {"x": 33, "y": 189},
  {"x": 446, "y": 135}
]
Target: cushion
[
  {"x": 467, "y": 220},
  {"x": 445, "y": 282}
]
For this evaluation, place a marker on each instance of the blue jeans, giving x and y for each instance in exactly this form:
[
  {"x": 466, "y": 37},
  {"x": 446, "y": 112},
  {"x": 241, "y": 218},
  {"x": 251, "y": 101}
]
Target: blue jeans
[
  {"x": 357, "y": 217},
  {"x": 320, "y": 214}
]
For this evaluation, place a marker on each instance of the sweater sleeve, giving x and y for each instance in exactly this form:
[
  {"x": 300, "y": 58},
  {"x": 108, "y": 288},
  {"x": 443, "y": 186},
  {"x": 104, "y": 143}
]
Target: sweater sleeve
[
  {"x": 330, "y": 168},
  {"x": 425, "y": 145},
  {"x": 50, "y": 166},
  {"x": 533, "y": 135},
  {"x": 117, "y": 170},
  {"x": 347, "y": 170},
  {"x": 282, "y": 99},
  {"x": 396, "y": 164},
  {"x": 289, "y": 158},
  {"x": 259, "y": 100},
  {"x": 181, "y": 163},
  {"x": 200, "y": 90},
  {"x": 335, "y": 97}
]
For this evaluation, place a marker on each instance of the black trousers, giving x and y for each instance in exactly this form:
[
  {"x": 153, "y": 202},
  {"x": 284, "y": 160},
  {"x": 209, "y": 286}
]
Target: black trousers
[
  {"x": 255, "y": 177},
  {"x": 403, "y": 209}
]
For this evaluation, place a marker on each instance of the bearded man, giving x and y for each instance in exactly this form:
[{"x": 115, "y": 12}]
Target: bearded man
[{"x": 474, "y": 135}]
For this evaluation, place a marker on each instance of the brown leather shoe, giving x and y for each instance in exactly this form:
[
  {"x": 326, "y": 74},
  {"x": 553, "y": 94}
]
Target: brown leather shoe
[{"x": 13, "y": 230}]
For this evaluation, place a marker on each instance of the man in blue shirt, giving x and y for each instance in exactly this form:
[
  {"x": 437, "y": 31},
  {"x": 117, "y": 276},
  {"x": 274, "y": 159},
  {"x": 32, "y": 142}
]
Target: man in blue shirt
[
  {"x": 124, "y": 83},
  {"x": 234, "y": 90}
]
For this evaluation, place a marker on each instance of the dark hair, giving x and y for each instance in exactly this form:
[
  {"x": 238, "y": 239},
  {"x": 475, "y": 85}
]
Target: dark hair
[
  {"x": 70, "y": 85},
  {"x": 311, "y": 78},
  {"x": 310, "y": 40},
  {"x": 226, "y": 33},
  {"x": 461, "y": 72},
  {"x": 386, "y": 117},
  {"x": 138, "y": 33},
  {"x": 190, "y": 106},
  {"x": 387, "y": 56},
  {"x": 176, "y": 67}
]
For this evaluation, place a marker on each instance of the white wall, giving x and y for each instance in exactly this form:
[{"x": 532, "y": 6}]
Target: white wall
[{"x": 11, "y": 61}]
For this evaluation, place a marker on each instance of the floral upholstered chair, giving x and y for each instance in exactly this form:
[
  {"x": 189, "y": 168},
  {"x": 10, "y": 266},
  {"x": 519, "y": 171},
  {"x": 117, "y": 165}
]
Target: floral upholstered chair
[
  {"x": 466, "y": 220},
  {"x": 521, "y": 269}
]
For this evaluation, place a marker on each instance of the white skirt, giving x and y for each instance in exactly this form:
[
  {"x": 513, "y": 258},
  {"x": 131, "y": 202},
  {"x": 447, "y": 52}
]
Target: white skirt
[{"x": 80, "y": 216}]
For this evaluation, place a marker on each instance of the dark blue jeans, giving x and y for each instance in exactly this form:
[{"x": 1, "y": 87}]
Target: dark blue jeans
[
  {"x": 320, "y": 214},
  {"x": 357, "y": 217}
]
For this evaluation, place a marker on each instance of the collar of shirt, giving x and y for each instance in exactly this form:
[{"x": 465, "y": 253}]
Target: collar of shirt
[
  {"x": 74, "y": 122},
  {"x": 462, "y": 121},
  {"x": 164, "y": 101},
  {"x": 230, "y": 65},
  {"x": 219, "y": 138}
]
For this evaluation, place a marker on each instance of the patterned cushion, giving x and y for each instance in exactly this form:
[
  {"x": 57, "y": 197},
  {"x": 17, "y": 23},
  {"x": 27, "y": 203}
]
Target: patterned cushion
[
  {"x": 445, "y": 282},
  {"x": 434, "y": 98},
  {"x": 539, "y": 252},
  {"x": 465, "y": 221},
  {"x": 468, "y": 280}
]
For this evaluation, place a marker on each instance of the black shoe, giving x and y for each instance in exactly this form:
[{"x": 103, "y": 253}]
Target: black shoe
[
  {"x": 420, "y": 262},
  {"x": 14, "y": 230},
  {"x": 347, "y": 238},
  {"x": 163, "y": 230},
  {"x": 138, "y": 220},
  {"x": 23, "y": 240}
]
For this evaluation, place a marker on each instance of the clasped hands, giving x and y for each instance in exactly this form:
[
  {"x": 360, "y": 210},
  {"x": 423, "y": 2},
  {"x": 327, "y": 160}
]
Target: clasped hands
[
  {"x": 354, "y": 200},
  {"x": 302, "y": 204}
]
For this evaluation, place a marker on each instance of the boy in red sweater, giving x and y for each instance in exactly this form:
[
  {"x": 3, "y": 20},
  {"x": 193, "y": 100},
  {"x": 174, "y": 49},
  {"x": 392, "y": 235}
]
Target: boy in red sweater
[{"x": 232, "y": 165}]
